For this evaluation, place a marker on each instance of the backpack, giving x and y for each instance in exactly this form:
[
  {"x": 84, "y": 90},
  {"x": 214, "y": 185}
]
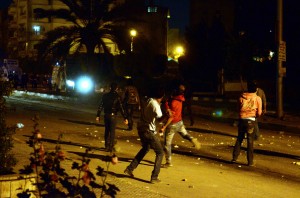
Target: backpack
[{"x": 132, "y": 95}]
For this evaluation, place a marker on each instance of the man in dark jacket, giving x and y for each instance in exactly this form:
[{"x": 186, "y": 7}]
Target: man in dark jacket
[
  {"x": 131, "y": 102},
  {"x": 111, "y": 103}
]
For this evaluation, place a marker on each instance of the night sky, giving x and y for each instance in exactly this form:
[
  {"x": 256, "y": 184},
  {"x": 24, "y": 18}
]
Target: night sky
[{"x": 179, "y": 11}]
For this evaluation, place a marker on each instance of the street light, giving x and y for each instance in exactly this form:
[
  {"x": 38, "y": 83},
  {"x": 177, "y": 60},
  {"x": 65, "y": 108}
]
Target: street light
[
  {"x": 133, "y": 33},
  {"x": 179, "y": 51}
]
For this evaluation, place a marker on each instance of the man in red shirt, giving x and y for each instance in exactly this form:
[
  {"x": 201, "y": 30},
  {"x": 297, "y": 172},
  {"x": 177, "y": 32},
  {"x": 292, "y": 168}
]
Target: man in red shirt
[{"x": 175, "y": 124}]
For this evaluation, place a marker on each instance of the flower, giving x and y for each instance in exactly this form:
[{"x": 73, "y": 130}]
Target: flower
[
  {"x": 54, "y": 177},
  {"x": 61, "y": 155},
  {"x": 87, "y": 177},
  {"x": 114, "y": 159}
]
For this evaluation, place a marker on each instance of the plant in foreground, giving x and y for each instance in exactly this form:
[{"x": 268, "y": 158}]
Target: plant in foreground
[
  {"x": 7, "y": 159},
  {"x": 53, "y": 180}
]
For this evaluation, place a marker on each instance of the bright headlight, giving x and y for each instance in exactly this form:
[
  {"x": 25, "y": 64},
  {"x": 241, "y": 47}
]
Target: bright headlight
[
  {"x": 84, "y": 84},
  {"x": 70, "y": 83}
]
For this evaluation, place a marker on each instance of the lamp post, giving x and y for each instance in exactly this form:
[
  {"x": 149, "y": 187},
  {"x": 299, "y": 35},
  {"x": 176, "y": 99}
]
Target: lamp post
[
  {"x": 280, "y": 70},
  {"x": 133, "y": 33}
]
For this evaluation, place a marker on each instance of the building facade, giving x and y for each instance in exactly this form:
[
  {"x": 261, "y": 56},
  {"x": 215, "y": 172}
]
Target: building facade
[{"x": 24, "y": 31}]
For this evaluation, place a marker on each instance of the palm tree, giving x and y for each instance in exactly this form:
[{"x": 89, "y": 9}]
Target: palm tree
[{"x": 93, "y": 21}]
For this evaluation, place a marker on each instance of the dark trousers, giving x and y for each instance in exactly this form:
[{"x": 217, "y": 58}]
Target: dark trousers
[
  {"x": 110, "y": 123},
  {"x": 130, "y": 108},
  {"x": 187, "y": 110},
  {"x": 149, "y": 140},
  {"x": 245, "y": 127}
]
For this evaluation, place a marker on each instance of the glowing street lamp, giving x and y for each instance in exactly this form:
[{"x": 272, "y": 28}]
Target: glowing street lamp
[
  {"x": 133, "y": 34},
  {"x": 179, "y": 51}
]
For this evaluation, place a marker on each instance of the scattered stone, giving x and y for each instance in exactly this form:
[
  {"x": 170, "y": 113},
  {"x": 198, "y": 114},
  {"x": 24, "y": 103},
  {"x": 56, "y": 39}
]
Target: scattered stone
[
  {"x": 184, "y": 180},
  {"x": 296, "y": 163},
  {"x": 191, "y": 186},
  {"x": 176, "y": 146}
]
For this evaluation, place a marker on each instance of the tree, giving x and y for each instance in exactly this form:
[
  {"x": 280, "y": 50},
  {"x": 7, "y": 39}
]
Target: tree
[{"x": 92, "y": 21}]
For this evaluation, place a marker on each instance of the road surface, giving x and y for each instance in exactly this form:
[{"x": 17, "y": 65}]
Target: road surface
[{"x": 204, "y": 173}]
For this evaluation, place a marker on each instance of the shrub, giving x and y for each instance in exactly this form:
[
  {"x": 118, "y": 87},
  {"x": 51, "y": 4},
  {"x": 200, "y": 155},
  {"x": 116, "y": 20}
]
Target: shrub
[
  {"x": 7, "y": 159},
  {"x": 54, "y": 181}
]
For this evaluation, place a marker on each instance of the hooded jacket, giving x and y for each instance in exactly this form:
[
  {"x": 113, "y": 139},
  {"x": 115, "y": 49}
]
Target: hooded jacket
[
  {"x": 250, "y": 105},
  {"x": 175, "y": 105}
]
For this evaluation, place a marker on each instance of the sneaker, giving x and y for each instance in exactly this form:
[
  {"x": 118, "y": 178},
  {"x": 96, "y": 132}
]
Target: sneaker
[
  {"x": 155, "y": 181},
  {"x": 233, "y": 161},
  {"x": 196, "y": 143},
  {"x": 251, "y": 164},
  {"x": 128, "y": 172},
  {"x": 167, "y": 165}
]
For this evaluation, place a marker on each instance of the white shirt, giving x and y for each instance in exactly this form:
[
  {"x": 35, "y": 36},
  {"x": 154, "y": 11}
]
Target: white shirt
[{"x": 150, "y": 112}]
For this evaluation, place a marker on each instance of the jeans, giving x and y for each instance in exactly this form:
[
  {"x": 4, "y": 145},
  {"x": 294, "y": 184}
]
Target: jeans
[
  {"x": 110, "y": 123},
  {"x": 245, "y": 126},
  {"x": 148, "y": 140},
  {"x": 129, "y": 111},
  {"x": 169, "y": 134}
]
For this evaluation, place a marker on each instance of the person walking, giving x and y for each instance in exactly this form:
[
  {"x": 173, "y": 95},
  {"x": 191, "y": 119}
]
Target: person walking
[
  {"x": 131, "y": 102},
  {"x": 111, "y": 103},
  {"x": 150, "y": 111},
  {"x": 175, "y": 124},
  {"x": 250, "y": 108},
  {"x": 187, "y": 105},
  {"x": 260, "y": 92}
]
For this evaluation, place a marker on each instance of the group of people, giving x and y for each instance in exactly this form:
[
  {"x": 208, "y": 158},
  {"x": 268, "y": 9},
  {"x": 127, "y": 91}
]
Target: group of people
[
  {"x": 151, "y": 111},
  {"x": 156, "y": 106}
]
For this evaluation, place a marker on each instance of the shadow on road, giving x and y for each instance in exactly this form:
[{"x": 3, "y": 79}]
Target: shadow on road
[
  {"x": 210, "y": 131},
  {"x": 88, "y": 123}
]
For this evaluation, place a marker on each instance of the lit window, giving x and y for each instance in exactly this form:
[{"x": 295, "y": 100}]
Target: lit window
[
  {"x": 36, "y": 29},
  {"x": 152, "y": 9}
]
